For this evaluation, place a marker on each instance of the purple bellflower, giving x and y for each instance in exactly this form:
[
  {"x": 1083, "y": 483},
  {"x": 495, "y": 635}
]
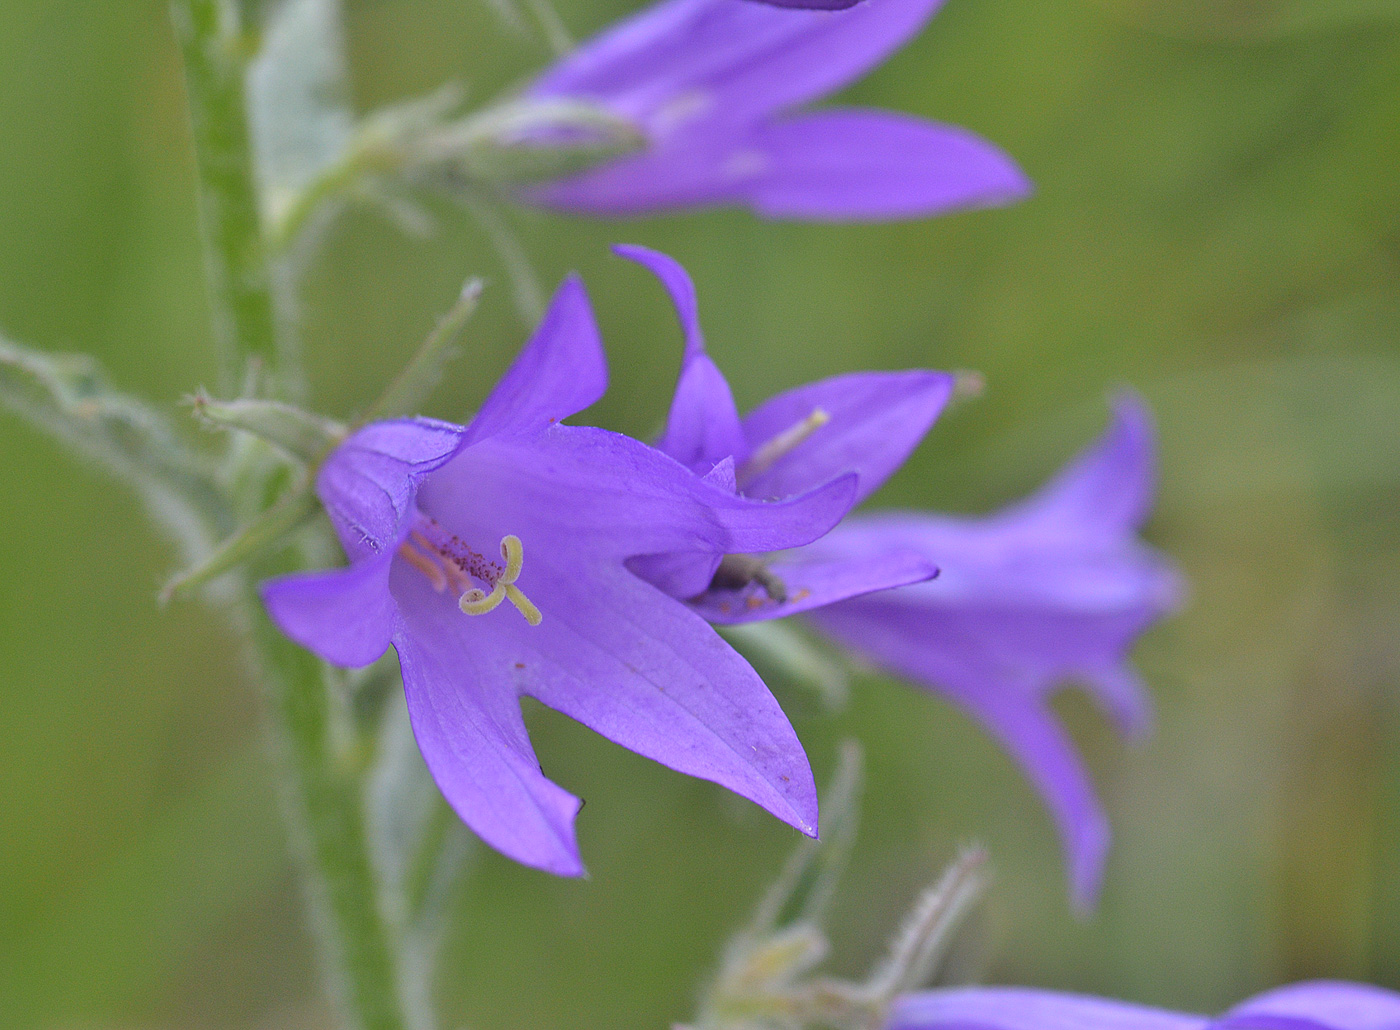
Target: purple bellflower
[
  {"x": 1050, "y": 589},
  {"x": 1054, "y": 588},
  {"x": 492, "y": 557},
  {"x": 864, "y": 424},
  {"x": 1314, "y": 1005},
  {"x": 711, "y": 85}
]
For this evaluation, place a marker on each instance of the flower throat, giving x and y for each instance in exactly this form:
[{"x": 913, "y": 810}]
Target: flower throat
[{"x": 446, "y": 561}]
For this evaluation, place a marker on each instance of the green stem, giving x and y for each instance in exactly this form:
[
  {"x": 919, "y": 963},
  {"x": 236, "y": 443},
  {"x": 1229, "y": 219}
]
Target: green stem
[
  {"x": 324, "y": 780},
  {"x": 325, "y": 806},
  {"x": 216, "y": 56}
]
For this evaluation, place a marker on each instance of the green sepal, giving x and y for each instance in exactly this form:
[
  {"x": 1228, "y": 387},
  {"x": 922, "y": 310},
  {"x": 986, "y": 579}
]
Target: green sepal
[
  {"x": 266, "y": 531},
  {"x": 299, "y": 434},
  {"x": 408, "y": 392},
  {"x": 500, "y": 144}
]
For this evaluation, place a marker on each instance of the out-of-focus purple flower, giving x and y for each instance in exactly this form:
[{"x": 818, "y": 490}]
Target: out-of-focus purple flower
[
  {"x": 1314, "y": 1005},
  {"x": 1052, "y": 589},
  {"x": 492, "y": 557},
  {"x": 863, "y": 424},
  {"x": 712, "y": 85}
]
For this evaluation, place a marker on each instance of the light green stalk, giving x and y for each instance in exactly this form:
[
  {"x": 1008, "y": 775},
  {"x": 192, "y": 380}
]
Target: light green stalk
[
  {"x": 322, "y": 772},
  {"x": 216, "y": 50}
]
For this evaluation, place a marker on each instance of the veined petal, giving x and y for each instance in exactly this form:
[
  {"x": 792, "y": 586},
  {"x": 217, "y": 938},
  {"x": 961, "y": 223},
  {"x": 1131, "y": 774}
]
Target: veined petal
[
  {"x": 344, "y": 615},
  {"x": 866, "y": 165},
  {"x": 1316, "y": 1005},
  {"x": 584, "y": 490},
  {"x": 1021, "y": 1008},
  {"x": 560, "y": 372},
  {"x": 731, "y": 61},
  {"x": 368, "y": 483},
  {"x": 875, "y": 420},
  {"x": 642, "y": 670},
  {"x": 703, "y": 425},
  {"x": 811, "y": 584},
  {"x": 466, "y": 719}
]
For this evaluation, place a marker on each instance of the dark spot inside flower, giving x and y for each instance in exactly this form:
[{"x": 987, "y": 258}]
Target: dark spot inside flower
[
  {"x": 737, "y": 571},
  {"x": 520, "y": 665}
]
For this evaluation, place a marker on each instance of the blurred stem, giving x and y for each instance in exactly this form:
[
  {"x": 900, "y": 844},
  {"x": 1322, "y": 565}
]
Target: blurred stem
[
  {"x": 215, "y": 49},
  {"x": 324, "y": 793},
  {"x": 321, "y": 776}
]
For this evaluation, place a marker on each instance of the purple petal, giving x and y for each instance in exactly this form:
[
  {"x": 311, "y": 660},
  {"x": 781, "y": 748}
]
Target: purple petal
[
  {"x": 643, "y": 671},
  {"x": 368, "y": 483},
  {"x": 812, "y": 5},
  {"x": 466, "y": 719},
  {"x": 583, "y": 489},
  {"x": 876, "y": 420},
  {"x": 1050, "y": 590},
  {"x": 811, "y": 584},
  {"x": 344, "y": 615},
  {"x": 832, "y": 165},
  {"x": 955, "y": 655},
  {"x": 1109, "y": 486},
  {"x": 616, "y": 655},
  {"x": 859, "y": 165},
  {"x": 1320, "y": 1004},
  {"x": 560, "y": 372},
  {"x": 1020, "y": 1008},
  {"x": 682, "y": 575},
  {"x": 732, "y": 61},
  {"x": 703, "y": 425}
]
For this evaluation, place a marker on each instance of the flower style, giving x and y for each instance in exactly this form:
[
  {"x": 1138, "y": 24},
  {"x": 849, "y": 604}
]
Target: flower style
[
  {"x": 711, "y": 85},
  {"x": 1054, "y": 588},
  {"x": 421, "y": 507},
  {"x": 1313, "y": 1005},
  {"x": 1051, "y": 589}
]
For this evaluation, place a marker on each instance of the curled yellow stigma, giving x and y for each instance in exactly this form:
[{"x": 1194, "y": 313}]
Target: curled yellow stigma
[{"x": 478, "y": 602}]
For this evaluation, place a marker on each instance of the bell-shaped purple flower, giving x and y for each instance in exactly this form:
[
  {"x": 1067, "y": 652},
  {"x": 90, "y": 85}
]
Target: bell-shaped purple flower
[
  {"x": 864, "y": 424},
  {"x": 713, "y": 85},
  {"x": 1313, "y": 1005},
  {"x": 492, "y": 557},
  {"x": 1053, "y": 589}
]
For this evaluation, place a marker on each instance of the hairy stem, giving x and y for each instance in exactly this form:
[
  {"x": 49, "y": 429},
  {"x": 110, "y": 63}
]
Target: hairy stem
[
  {"x": 215, "y": 49},
  {"x": 324, "y": 800},
  {"x": 323, "y": 779}
]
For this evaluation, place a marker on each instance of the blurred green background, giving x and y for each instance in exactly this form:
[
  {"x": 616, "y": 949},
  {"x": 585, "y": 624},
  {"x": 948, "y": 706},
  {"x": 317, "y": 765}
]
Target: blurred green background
[{"x": 1217, "y": 223}]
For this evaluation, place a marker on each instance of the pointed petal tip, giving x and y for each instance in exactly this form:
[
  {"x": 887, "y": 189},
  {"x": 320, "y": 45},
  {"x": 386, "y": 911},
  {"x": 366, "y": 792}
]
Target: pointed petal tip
[{"x": 1087, "y": 859}]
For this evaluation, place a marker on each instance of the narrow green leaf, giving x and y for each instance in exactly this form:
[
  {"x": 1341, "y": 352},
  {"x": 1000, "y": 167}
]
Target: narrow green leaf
[
  {"x": 264, "y": 532},
  {"x": 407, "y": 393}
]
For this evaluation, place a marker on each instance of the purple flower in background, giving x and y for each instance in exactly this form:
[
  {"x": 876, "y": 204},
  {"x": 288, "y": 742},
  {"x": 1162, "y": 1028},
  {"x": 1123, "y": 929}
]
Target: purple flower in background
[
  {"x": 712, "y": 85},
  {"x": 1315, "y": 1005},
  {"x": 492, "y": 557},
  {"x": 1051, "y": 589},
  {"x": 865, "y": 423}
]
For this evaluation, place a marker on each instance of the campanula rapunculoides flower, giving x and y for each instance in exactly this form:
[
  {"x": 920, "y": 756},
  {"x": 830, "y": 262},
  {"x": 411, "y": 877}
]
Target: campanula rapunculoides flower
[
  {"x": 714, "y": 87},
  {"x": 492, "y": 557},
  {"x": 1313, "y": 1005},
  {"x": 1049, "y": 590},
  {"x": 864, "y": 424}
]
